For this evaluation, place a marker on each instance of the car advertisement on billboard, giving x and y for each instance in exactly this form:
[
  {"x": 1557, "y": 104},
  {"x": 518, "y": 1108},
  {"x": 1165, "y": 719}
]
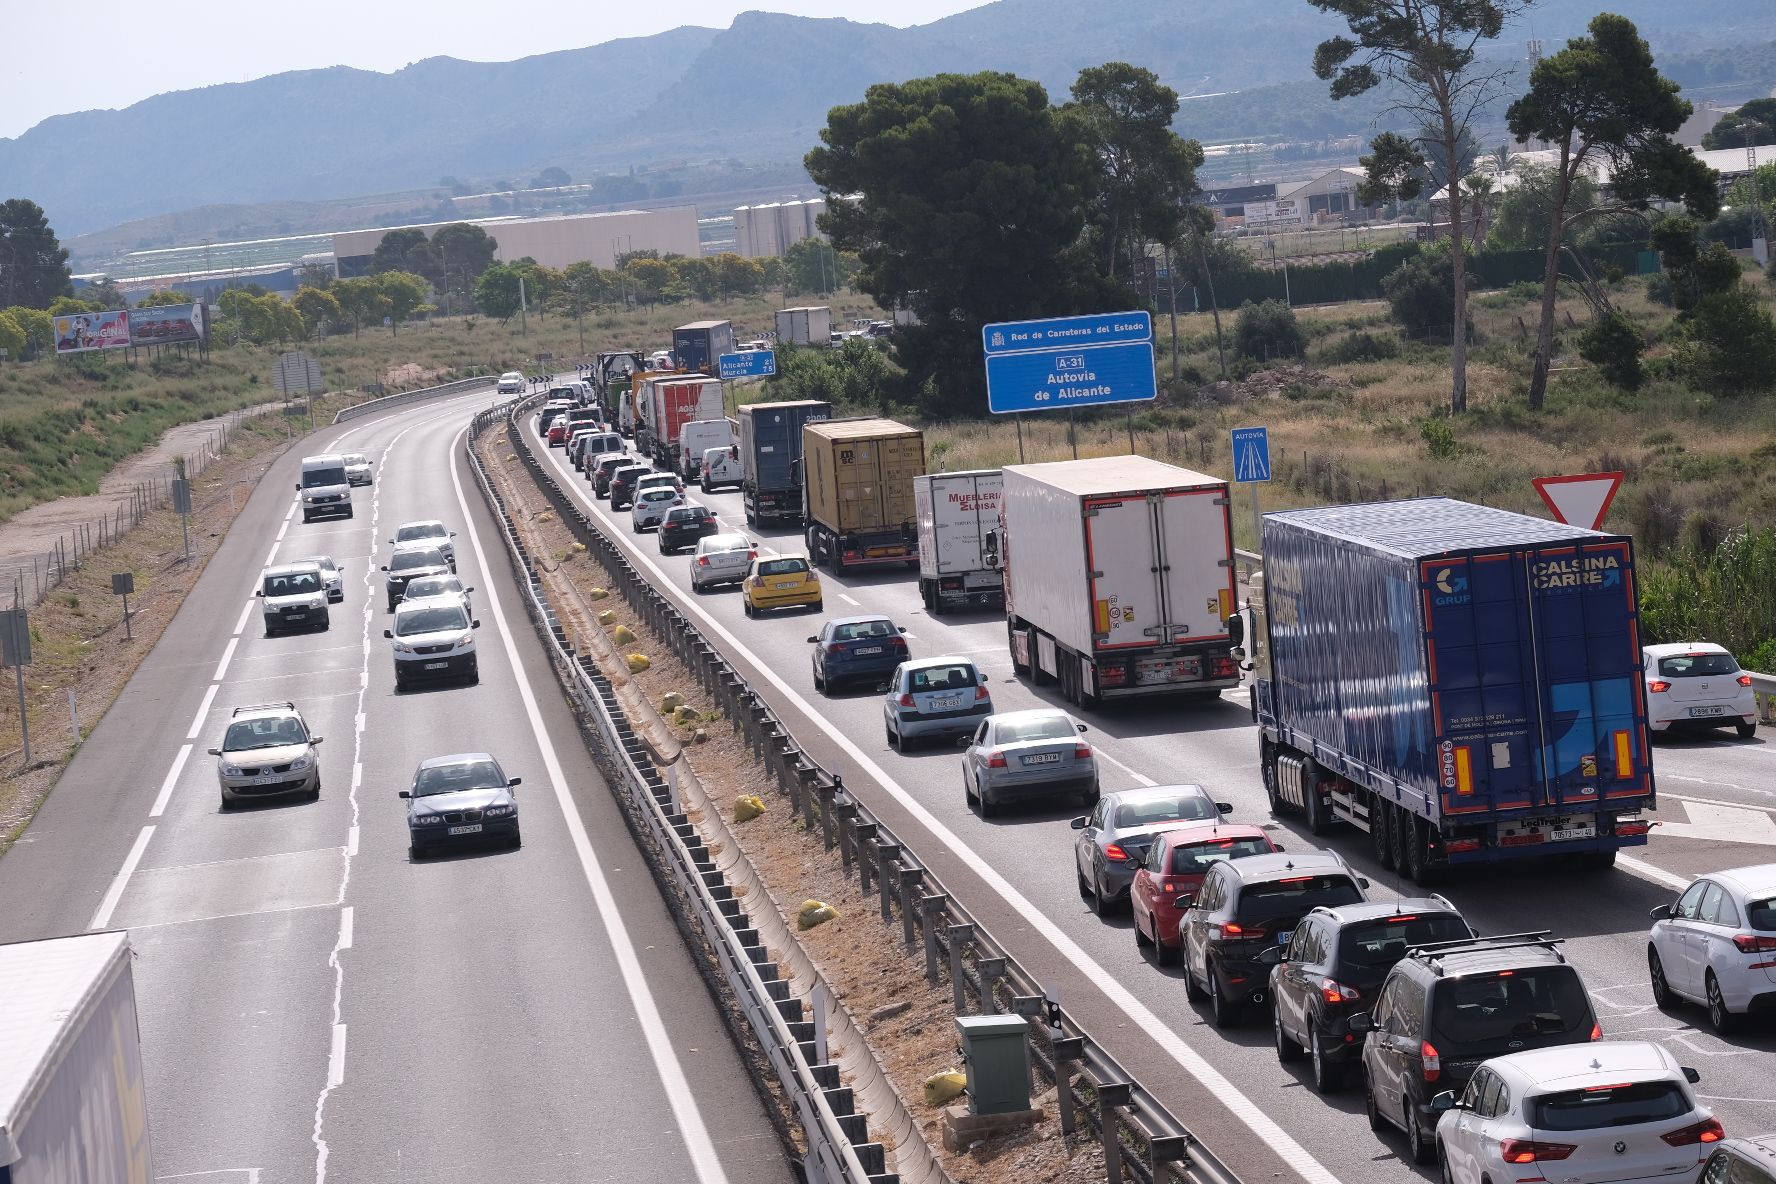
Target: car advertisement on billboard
[
  {"x": 79, "y": 332},
  {"x": 166, "y": 324}
]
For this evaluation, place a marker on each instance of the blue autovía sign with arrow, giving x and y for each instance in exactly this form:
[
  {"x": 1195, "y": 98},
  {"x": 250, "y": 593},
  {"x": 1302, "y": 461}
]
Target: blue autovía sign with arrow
[{"x": 1067, "y": 362}]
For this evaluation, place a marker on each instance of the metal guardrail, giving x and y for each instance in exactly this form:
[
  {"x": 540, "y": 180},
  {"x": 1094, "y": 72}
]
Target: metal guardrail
[
  {"x": 1096, "y": 1095},
  {"x": 430, "y": 392}
]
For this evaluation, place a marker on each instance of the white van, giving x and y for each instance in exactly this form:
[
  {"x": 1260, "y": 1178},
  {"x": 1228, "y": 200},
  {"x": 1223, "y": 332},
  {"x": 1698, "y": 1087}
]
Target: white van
[
  {"x": 324, "y": 487},
  {"x": 434, "y": 639},
  {"x": 721, "y": 466},
  {"x": 698, "y": 437}
]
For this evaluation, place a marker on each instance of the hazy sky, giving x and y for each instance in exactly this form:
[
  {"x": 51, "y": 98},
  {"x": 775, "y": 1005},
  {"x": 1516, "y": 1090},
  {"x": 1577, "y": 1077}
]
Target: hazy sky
[{"x": 59, "y": 60}]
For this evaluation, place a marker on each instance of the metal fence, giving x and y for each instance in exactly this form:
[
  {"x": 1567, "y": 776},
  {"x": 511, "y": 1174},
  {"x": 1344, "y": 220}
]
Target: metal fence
[{"x": 1096, "y": 1096}]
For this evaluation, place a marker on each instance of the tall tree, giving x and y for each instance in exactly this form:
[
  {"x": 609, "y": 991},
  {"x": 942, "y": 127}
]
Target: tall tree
[
  {"x": 362, "y": 300},
  {"x": 1601, "y": 102},
  {"x": 391, "y": 252},
  {"x": 317, "y": 307},
  {"x": 1427, "y": 50},
  {"x": 496, "y": 292},
  {"x": 464, "y": 252},
  {"x": 1146, "y": 171},
  {"x": 33, "y": 264},
  {"x": 165, "y": 296},
  {"x": 404, "y": 292},
  {"x": 39, "y": 328}
]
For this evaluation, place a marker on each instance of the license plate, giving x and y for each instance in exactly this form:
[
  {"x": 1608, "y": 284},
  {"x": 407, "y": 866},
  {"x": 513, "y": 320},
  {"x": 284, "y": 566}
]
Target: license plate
[
  {"x": 1706, "y": 711},
  {"x": 1577, "y": 832},
  {"x": 466, "y": 830},
  {"x": 1043, "y": 758},
  {"x": 436, "y": 665},
  {"x": 1283, "y": 938},
  {"x": 264, "y": 780},
  {"x": 885, "y": 552},
  {"x": 946, "y": 704},
  {"x": 783, "y": 585},
  {"x": 869, "y": 649}
]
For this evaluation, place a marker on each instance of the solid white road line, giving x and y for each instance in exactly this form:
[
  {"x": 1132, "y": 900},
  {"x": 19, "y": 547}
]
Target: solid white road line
[
  {"x": 1657, "y": 875},
  {"x": 172, "y": 779},
  {"x": 1142, "y": 1016},
  {"x": 271, "y": 555},
  {"x": 849, "y": 601},
  {"x": 203, "y": 710},
  {"x": 1140, "y": 778},
  {"x": 283, "y": 530},
  {"x": 246, "y": 611},
  {"x": 697, "y": 1142},
  {"x": 113, "y": 894},
  {"x": 227, "y": 654}
]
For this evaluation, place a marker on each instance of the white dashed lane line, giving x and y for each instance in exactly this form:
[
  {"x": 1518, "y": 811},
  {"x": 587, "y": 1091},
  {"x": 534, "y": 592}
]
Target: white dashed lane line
[
  {"x": 246, "y": 611},
  {"x": 113, "y": 894},
  {"x": 227, "y": 656},
  {"x": 172, "y": 779},
  {"x": 203, "y": 710}
]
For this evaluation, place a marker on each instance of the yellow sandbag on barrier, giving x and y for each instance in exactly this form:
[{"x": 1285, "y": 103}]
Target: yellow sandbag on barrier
[
  {"x": 747, "y": 807},
  {"x": 607, "y": 618},
  {"x": 638, "y": 662},
  {"x": 597, "y": 593},
  {"x": 944, "y": 1087},
  {"x": 623, "y": 635},
  {"x": 815, "y": 912},
  {"x": 671, "y": 701}
]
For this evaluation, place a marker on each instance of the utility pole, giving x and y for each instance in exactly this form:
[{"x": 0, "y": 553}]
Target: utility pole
[{"x": 523, "y": 326}]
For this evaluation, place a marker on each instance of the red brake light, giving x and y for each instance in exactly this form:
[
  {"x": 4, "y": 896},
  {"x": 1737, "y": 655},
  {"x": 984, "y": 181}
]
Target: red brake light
[
  {"x": 752, "y": 554},
  {"x": 1709, "y": 1130},
  {"x": 980, "y": 694},
  {"x": 906, "y": 700},
  {"x": 996, "y": 759},
  {"x": 1529, "y": 1151},
  {"x": 1115, "y": 851},
  {"x": 1743, "y": 680},
  {"x": 1751, "y": 944},
  {"x": 1082, "y": 752},
  {"x": 1658, "y": 686},
  {"x": 1596, "y": 1031},
  {"x": 1628, "y": 827},
  {"x": 835, "y": 648},
  {"x": 898, "y": 643},
  {"x": 1433, "y": 1064},
  {"x": 1333, "y": 991},
  {"x": 1232, "y": 929},
  {"x": 1396, "y": 918},
  {"x": 702, "y": 561}
]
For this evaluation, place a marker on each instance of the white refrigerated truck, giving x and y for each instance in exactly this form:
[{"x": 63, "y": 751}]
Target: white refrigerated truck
[
  {"x": 956, "y": 512},
  {"x": 1119, "y": 577},
  {"x": 72, "y": 1106}
]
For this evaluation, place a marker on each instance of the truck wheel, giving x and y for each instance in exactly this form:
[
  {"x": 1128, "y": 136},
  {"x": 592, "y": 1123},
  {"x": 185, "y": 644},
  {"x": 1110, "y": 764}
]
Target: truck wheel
[
  {"x": 1419, "y": 864},
  {"x": 1314, "y": 808},
  {"x": 1380, "y": 813},
  {"x": 1017, "y": 667},
  {"x": 1267, "y": 763},
  {"x": 1399, "y": 830}
]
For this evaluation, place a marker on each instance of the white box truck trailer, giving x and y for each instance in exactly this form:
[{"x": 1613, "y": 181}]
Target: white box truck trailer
[
  {"x": 956, "y": 512},
  {"x": 1119, "y": 577}
]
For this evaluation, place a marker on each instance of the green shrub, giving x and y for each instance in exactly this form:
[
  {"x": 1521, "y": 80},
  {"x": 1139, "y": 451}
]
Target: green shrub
[
  {"x": 1612, "y": 343},
  {"x": 1421, "y": 293},
  {"x": 1360, "y": 347},
  {"x": 1439, "y": 438},
  {"x": 1268, "y": 331},
  {"x": 1729, "y": 342}
]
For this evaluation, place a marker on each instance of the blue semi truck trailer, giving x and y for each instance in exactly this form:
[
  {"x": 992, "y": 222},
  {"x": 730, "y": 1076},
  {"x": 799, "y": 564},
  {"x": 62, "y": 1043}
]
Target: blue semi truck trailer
[{"x": 1463, "y": 683}]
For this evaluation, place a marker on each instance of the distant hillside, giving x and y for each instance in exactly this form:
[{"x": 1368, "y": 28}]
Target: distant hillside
[{"x": 759, "y": 90}]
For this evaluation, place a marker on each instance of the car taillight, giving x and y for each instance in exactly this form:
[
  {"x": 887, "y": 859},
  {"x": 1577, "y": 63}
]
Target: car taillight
[
  {"x": 1116, "y": 852},
  {"x": 835, "y": 648},
  {"x": 1529, "y": 1151},
  {"x": 702, "y": 561},
  {"x": 1658, "y": 686},
  {"x": 906, "y": 701},
  {"x": 1709, "y": 1130},
  {"x": 898, "y": 643},
  {"x": 1333, "y": 991},
  {"x": 1082, "y": 752},
  {"x": 1224, "y": 668},
  {"x": 752, "y": 554},
  {"x": 996, "y": 759},
  {"x": 1454, "y": 845},
  {"x": 1596, "y": 1031},
  {"x": 1112, "y": 676},
  {"x": 981, "y": 695},
  {"x": 1751, "y": 944},
  {"x": 1241, "y": 932},
  {"x": 1743, "y": 680},
  {"x": 1629, "y": 827},
  {"x": 1433, "y": 1064}
]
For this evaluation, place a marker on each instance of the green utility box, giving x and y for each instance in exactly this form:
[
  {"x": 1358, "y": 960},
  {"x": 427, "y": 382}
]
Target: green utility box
[{"x": 996, "y": 1056}]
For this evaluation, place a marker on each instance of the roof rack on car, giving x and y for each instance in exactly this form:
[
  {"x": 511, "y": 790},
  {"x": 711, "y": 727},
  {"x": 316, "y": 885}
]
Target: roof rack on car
[
  {"x": 1435, "y": 951},
  {"x": 262, "y": 706}
]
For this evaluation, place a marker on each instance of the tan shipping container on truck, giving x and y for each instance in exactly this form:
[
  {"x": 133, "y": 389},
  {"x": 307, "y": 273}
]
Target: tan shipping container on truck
[{"x": 858, "y": 474}]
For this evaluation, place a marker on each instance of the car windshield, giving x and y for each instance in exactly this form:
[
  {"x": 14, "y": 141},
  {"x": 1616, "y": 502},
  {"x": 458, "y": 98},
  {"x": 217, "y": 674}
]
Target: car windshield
[
  {"x": 418, "y": 557},
  {"x": 1385, "y": 940},
  {"x": 327, "y": 566},
  {"x": 433, "y": 586},
  {"x": 1608, "y": 1105},
  {"x": 292, "y": 583},
  {"x": 953, "y": 677},
  {"x": 1697, "y": 665},
  {"x": 420, "y": 530},
  {"x": 1529, "y": 1001},
  {"x": 269, "y": 732},
  {"x": 1195, "y": 859},
  {"x": 1292, "y": 897},
  {"x": 1147, "y": 810},
  {"x": 458, "y": 777},
  {"x": 356, "y": 458},
  {"x": 783, "y": 567},
  {"x": 1042, "y": 727},
  {"x": 431, "y": 619},
  {"x": 315, "y": 477},
  {"x": 862, "y": 630}
]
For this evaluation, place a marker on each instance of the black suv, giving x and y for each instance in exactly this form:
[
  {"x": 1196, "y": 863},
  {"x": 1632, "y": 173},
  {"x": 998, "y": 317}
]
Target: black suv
[
  {"x": 600, "y": 474},
  {"x": 1246, "y": 906},
  {"x": 1332, "y": 967},
  {"x": 684, "y": 525},
  {"x": 622, "y": 484},
  {"x": 1445, "y": 1008}
]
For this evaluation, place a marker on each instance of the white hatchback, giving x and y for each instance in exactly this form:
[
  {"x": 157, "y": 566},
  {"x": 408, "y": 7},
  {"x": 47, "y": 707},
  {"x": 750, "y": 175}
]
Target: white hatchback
[
  {"x": 1618, "y": 1110},
  {"x": 1697, "y": 685},
  {"x": 651, "y": 505},
  {"x": 1717, "y": 945}
]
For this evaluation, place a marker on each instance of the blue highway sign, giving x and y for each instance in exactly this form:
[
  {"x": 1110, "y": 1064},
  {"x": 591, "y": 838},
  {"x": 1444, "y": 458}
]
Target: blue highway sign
[
  {"x": 758, "y": 363},
  {"x": 1069, "y": 362},
  {"x": 1251, "y": 454}
]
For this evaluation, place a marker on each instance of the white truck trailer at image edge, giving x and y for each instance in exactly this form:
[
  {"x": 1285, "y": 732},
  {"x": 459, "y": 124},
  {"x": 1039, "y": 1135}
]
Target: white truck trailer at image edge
[
  {"x": 956, "y": 512},
  {"x": 1119, "y": 578},
  {"x": 72, "y": 1104}
]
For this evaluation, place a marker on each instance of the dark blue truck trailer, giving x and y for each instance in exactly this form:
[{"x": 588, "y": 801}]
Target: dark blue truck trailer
[{"x": 1463, "y": 683}]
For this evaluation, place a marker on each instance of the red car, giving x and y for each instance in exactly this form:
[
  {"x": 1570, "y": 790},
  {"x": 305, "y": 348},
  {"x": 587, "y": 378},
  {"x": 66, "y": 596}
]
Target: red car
[{"x": 1176, "y": 865}]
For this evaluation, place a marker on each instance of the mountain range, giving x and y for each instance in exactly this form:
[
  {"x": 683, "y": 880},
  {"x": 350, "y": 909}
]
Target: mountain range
[{"x": 756, "y": 91}]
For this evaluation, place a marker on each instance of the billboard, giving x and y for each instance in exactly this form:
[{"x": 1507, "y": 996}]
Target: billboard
[
  {"x": 79, "y": 332},
  {"x": 166, "y": 324}
]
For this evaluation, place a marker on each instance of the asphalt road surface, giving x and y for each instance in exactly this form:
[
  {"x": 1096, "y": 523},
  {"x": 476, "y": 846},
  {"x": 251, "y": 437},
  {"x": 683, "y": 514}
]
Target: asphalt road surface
[
  {"x": 1015, "y": 870},
  {"x": 312, "y": 1002}
]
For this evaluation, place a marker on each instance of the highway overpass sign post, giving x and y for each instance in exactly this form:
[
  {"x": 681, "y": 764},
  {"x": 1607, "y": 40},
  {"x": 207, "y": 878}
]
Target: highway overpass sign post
[
  {"x": 1065, "y": 363},
  {"x": 1251, "y": 466}
]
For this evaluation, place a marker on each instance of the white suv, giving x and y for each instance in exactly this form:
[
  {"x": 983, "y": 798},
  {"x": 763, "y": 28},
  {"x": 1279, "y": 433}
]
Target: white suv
[
  {"x": 511, "y": 383},
  {"x": 1610, "y": 1110},
  {"x": 1698, "y": 686}
]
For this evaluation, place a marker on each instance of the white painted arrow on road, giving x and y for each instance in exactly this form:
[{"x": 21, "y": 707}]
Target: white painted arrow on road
[{"x": 1726, "y": 824}]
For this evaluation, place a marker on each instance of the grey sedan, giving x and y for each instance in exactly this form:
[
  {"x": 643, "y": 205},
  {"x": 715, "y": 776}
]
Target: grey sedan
[
  {"x": 462, "y": 797},
  {"x": 1028, "y": 754},
  {"x": 1114, "y": 837}
]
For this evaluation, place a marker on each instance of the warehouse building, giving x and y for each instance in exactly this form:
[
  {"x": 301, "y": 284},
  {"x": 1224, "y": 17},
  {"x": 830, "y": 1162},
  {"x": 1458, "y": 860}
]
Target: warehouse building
[
  {"x": 764, "y": 231},
  {"x": 553, "y": 242}
]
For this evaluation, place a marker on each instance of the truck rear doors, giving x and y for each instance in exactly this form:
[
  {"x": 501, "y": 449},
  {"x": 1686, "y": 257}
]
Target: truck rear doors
[{"x": 1159, "y": 567}]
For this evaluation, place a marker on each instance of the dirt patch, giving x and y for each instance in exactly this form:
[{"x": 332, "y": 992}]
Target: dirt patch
[
  {"x": 1263, "y": 384},
  {"x": 865, "y": 962},
  {"x": 412, "y": 376}
]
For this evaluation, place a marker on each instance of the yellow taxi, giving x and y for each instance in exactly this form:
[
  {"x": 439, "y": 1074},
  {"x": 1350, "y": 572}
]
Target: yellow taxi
[{"x": 780, "y": 581}]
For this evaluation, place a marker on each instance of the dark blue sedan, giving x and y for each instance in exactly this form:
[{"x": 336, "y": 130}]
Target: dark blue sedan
[
  {"x": 465, "y": 797},
  {"x": 856, "y": 649}
]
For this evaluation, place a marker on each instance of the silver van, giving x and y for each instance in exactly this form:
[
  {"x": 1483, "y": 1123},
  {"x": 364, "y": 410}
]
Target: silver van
[{"x": 324, "y": 487}]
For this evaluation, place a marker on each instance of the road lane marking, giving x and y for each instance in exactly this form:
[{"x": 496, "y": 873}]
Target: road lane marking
[
  {"x": 336, "y": 1058},
  {"x": 345, "y": 929},
  {"x": 1142, "y": 778},
  {"x": 697, "y": 1142},
  {"x": 1647, "y": 871},
  {"x": 246, "y": 612},
  {"x": 1143, "y": 1017},
  {"x": 271, "y": 555},
  {"x": 849, "y": 601},
  {"x": 203, "y": 711},
  {"x": 222, "y": 666},
  {"x": 113, "y": 894},
  {"x": 283, "y": 530},
  {"x": 172, "y": 778},
  {"x": 351, "y": 836}
]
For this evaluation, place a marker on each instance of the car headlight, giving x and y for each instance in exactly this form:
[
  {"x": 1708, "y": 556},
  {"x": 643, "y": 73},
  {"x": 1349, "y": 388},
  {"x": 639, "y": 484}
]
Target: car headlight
[
  {"x": 465, "y": 639},
  {"x": 229, "y": 770},
  {"x": 402, "y": 647},
  {"x": 424, "y": 819},
  {"x": 499, "y": 811},
  {"x": 301, "y": 763}
]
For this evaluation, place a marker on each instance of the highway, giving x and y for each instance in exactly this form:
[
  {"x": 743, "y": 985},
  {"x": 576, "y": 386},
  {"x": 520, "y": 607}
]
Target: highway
[
  {"x": 1015, "y": 871},
  {"x": 313, "y": 1003}
]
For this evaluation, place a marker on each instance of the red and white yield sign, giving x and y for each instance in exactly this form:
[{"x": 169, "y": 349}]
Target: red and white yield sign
[{"x": 1583, "y": 500}]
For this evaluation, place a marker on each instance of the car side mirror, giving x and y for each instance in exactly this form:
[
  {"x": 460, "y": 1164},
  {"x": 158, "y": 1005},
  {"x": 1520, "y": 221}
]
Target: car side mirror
[
  {"x": 1271, "y": 956},
  {"x": 391, "y": 542},
  {"x": 1660, "y": 912},
  {"x": 1278, "y": 847},
  {"x": 813, "y": 641},
  {"x": 1224, "y": 807},
  {"x": 405, "y": 793},
  {"x": 1360, "y": 1023},
  {"x": 474, "y": 624},
  {"x": 261, "y": 592},
  {"x": 1444, "y": 1102},
  {"x": 1081, "y": 727},
  {"x": 468, "y": 589},
  {"x": 903, "y": 628},
  {"x": 1236, "y": 631},
  {"x": 984, "y": 678},
  {"x": 453, "y": 534},
  {"x": 299, "y": 487},
  {"x": 1079, "y": 823},
  {"x": 316, "y": 739},
  {"x": 1187, "y": 901},
  {"x": 990, "y": 549},
  {"x": 384, "y": 567},
  {"x": 964, "y": 741},
  {"x": 1691, "y": 1076},
  {"x": 1362, "y": 883},
  {"x": 514, "y": 783},
  {"x": 214, "y": 751},
  {"x": 388, "y": 633}
]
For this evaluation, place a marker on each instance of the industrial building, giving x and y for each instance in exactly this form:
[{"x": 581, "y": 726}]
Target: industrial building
[
  {"x": 764, "y": 231},
  {"x": 553, "y": 242}
]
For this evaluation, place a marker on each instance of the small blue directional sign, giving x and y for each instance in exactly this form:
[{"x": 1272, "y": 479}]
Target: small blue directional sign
[
  {"x": 1069, "y": 362},
  {"x": 1251, "y": 454},
  {"x": 758, "y": 363}
]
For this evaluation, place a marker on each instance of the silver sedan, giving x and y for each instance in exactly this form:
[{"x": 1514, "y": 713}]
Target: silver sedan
[
  {"x": 1115, "y": 836},
  {"x": 1028, "y": 754}
]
